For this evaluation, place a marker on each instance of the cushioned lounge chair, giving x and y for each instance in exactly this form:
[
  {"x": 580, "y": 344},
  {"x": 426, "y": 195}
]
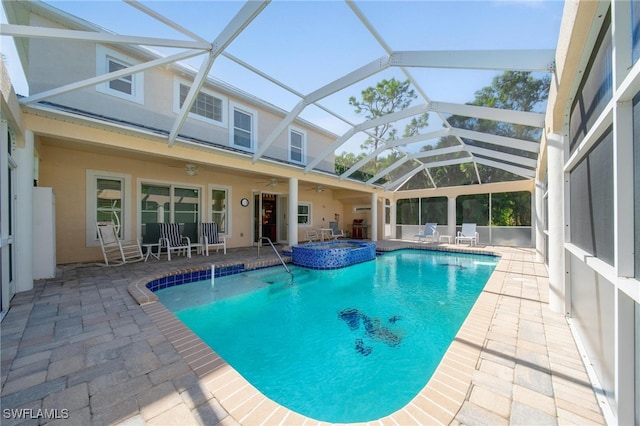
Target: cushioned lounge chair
[
  {"x": 211, "y": 238},
  {"x": 114, "y": 250},
  {"x": 468, "y": 234},
  {"x": 172, "y": 240},
  {"x": 429, "y": 233},
  {"x": 335, "y": 233}
]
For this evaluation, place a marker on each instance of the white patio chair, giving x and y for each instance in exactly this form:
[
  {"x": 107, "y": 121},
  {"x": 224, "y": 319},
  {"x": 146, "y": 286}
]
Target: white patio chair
[
  {"x": 333, "y": 234},
  {"x": 468, "y": 234},
  {"x": 311, "y": 235},
  {"x": 114, "y": 250},
  {"x": 429, "y": 233},
  {"x": 211, "y": 238},
  {"x": 172, "y": 240}
]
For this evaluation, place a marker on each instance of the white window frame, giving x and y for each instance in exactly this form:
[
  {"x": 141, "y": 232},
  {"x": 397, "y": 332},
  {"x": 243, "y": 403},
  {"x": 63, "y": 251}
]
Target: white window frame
[
  {"x": 103, "y": 55},
  {"x": 229, "y": 213},
  {"x": 172, "y": 185},
  {"x": 92, "y": 177},
  {"x": 225, "y": 102},
  {"x": 309, "y": 215},
  {"x": 303, "y": 147},
  {"x": 233, "y": 106}
]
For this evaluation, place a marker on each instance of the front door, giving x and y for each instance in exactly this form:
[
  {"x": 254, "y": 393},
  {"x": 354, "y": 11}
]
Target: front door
[{"x": 265, "y": 216}]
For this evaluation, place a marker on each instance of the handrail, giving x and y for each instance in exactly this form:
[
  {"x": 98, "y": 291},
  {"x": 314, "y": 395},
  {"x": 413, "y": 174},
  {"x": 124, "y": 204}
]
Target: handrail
[{"x": 276, "y": 252}]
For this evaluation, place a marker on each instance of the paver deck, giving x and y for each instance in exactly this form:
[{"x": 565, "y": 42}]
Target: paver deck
[{"x": 79, "y": 350}]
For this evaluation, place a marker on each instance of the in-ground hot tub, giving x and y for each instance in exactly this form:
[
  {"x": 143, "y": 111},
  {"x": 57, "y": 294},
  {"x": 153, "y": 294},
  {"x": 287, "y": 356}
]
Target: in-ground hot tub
[{"x": 333, "y": 254}]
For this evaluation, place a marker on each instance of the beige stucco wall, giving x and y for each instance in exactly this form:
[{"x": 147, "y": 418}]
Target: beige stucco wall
[{"x": 63, "y": 166}]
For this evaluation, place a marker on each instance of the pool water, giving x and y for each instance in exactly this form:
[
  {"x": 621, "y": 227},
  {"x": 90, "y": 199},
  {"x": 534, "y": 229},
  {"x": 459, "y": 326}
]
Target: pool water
[{"x": 343, "y": 345}]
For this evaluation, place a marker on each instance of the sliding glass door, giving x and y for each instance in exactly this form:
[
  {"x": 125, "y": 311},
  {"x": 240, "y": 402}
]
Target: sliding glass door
[{"x": 167, "y": 203}]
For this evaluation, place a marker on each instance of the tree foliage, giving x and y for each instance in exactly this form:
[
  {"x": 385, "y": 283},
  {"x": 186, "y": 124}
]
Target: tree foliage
[
  {"x": 514, "y": 90},
  {"x": 386, "y": 97}
]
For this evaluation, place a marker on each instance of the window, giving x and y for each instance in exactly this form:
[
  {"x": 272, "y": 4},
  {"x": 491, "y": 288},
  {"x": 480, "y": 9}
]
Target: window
[
  {"x": 244, "y": 128},
  {"x": 128, "y": 87},
  {"x": 591, "y": 200},
  {"x": 108, "y": 200},
  {"x": 122, "y": 84},
  {"x": 219, "y": 208},
  {"x": 166, "y": 203},
  {"x": 596, "y": 88},
  {"x": 185, "y": 206},
  {"x": 297, "y": 146},
  {"x": 387, "y": 212},
  {"x": 208, "y": 106},
  {"x": 304, "y": 214}
]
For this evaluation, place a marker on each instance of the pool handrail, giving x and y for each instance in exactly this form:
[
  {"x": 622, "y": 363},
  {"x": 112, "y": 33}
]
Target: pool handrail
[{"x": 274, "y": 249}]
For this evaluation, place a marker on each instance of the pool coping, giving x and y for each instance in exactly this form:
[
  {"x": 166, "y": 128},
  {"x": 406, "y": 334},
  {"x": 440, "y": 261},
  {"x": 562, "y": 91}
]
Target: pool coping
[{"x": 438, "y": 402}]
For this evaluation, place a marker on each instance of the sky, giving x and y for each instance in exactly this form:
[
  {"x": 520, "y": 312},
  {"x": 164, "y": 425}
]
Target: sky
[{"x": 307, "y": 44}]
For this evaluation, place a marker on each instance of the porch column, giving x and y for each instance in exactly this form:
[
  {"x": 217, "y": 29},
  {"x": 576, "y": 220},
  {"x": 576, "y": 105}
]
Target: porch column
[
  {"x": 558, "y": 284},
  {"x": 24, "y": 221},
  {"x": 537, "y": 221},
  {"x": 451, "y": 217},
  {"x": 374, "y": 217},
  {"x": 292, "y": 230}
]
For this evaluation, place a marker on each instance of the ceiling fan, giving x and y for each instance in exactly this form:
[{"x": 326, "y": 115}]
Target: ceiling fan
[
  {"x": 189, "y": 168},
  {"x": 317, "y": 188},
  {"x": 271, "y": 182}
]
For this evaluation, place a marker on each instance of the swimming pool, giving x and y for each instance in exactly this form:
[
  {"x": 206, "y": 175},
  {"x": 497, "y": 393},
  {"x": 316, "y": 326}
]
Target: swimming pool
[{"x": 346, "y": 345}]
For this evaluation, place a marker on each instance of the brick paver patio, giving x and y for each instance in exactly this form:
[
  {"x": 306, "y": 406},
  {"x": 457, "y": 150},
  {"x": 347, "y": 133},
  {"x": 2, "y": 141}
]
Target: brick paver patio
[{"x": 81, "y": 348}]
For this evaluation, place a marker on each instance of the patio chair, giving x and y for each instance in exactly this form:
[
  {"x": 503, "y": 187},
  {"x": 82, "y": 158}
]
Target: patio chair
[
  {"x": 468, "y": 234},
  {"x": 114, "y": 250},
  {"x": 430, "y": 233},
  {"x": 172, "y": 240},
  {"x": 211, "y": 238},
  {"x": 333, "y": 233},
  {"x": 311, "y": 235}
]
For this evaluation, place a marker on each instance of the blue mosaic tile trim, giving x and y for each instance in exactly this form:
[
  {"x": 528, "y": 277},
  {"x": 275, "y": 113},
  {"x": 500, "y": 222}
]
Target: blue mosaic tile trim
[
  {"x": 188, "y": 277},
  {"x": 333, "y": 254}
]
